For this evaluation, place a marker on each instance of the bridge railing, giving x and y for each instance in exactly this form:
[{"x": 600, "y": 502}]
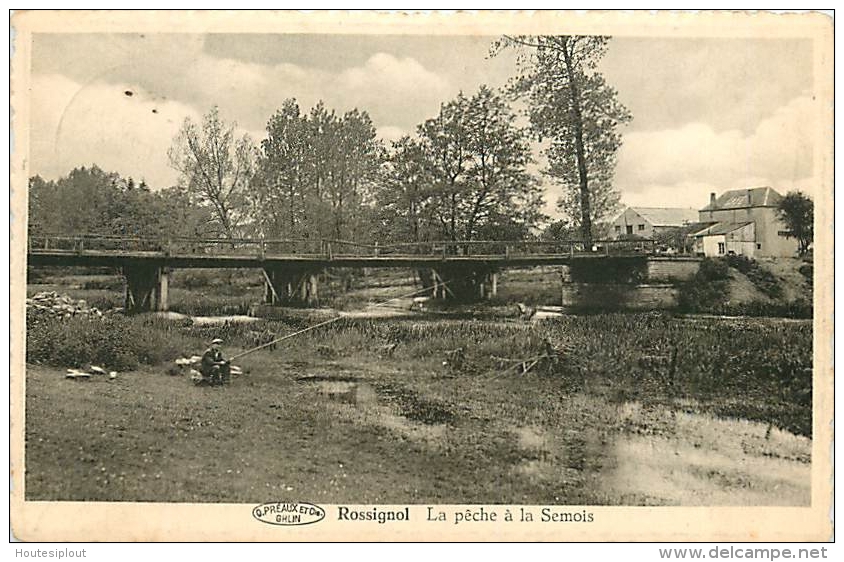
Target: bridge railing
[
  {"x": 83, "y": 242},
  {"x": 519, "y": 247},
  {"x": 200, "y": 246},
  {"x": 329, "y": 248}
]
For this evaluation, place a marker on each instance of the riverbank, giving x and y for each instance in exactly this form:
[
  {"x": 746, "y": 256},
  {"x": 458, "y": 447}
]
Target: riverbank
[{"x": 394, "y": 411}]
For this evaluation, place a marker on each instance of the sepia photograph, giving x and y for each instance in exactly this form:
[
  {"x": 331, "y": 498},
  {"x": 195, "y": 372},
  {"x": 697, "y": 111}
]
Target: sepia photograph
[{"x": 343, "y": 270}]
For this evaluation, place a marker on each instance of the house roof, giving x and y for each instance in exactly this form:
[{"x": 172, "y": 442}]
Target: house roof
[
  {"x": 721, "y": 228},
  {"x": 743, "y": 198},
  {"x": 697, "y": 227},
  {"x": 667, "y": 216}
]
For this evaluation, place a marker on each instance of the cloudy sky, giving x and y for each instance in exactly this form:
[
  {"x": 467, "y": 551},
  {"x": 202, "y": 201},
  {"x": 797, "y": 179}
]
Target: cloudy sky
[{"x": 708, "y": 114}]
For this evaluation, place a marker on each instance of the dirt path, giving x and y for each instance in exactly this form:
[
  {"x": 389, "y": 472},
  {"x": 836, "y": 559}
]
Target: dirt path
[{"x": 389, "y": 431}]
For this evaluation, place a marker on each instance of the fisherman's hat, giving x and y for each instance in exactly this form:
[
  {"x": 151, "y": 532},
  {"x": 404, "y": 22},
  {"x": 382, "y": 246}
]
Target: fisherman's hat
[{"x": 216, "y": 340}]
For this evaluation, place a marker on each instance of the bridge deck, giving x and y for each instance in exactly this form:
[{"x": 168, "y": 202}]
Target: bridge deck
[
  {"x": 96, "y": 250},
  {"x": 118, "y": 258}
]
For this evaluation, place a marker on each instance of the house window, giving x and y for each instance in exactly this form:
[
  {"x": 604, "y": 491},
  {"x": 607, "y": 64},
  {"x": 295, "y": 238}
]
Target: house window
[
  {"x": 641, "y": 227},
  {"x": 721, "y": 248},
  {"x": 758, "y": 246},
  {"x": 617, "y": 229},
  {"x": 629, "y": 229}
]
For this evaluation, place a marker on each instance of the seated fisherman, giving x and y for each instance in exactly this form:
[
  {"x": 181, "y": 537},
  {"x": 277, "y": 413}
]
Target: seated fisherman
[{"x": 214, "y": 368}]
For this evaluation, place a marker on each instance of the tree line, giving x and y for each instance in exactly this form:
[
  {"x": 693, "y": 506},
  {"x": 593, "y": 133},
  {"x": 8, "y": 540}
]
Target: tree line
[{"x": 464, "y": 174}]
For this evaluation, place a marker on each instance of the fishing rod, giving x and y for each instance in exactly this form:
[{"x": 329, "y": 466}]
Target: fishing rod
[{"x": 325, "y": 323}]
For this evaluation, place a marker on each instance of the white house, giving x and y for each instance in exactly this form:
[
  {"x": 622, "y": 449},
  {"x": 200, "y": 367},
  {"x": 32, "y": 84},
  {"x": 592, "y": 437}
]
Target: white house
[
  {"x": 727, "y": 238},
  {"x": 745, "y": 222},
  {"x": 645, "y": 222}
]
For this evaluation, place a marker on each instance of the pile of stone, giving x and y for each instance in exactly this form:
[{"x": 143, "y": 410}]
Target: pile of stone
[{"x": 53, "y": 305}]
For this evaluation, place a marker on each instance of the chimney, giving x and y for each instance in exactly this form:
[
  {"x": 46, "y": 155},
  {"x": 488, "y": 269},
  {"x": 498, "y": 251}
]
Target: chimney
[{"x": 712, "y": 199}]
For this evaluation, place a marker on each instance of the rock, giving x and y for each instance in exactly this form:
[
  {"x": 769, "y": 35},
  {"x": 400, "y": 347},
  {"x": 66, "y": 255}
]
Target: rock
[
  {"x": 52, "y": 305},
  {"x": 77, "y": 374}
]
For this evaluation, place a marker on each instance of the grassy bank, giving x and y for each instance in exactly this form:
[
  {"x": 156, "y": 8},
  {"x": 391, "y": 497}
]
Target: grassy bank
[
  {"x": 382, "y": 411},
  {"x": 739, "y": 286},
  {"x": 754, "y": 369}
]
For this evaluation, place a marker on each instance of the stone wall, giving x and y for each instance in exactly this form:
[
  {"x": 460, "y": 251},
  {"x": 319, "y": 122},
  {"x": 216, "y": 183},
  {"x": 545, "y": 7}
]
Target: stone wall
[
  {"x": 666, "y": 270},
  {"x": 627, "y": 283},
  {"x": 616, "y": 296}
]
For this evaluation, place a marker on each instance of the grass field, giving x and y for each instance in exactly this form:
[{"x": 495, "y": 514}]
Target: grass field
[{"x": 379, "y": 411}]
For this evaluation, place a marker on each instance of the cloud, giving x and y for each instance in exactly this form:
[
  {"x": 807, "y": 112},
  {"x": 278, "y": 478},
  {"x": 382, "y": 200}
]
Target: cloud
[
  {"x": 80, "y": 115},
  {"x": 392, "y": 85},
  {"x": 667, "y": 167},
  {"x": 115, "y": 126},
  {"x": 728, "y": 83},
  {"x": 395, "y": 90}
]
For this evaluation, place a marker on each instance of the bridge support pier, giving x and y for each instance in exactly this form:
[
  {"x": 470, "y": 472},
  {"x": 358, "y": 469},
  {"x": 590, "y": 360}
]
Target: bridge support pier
[
  {"x": 146, "y": 288},
  {"x": 286, "y": 286},
  {"x": 464, "y": 282}
]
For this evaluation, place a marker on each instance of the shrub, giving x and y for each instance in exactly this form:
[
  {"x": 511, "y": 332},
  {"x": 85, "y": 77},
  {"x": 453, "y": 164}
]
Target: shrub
[
  {"x": 713, "y": 269},
  {"x": 791, "y": 309},
  {"x": 106, "y": 302},
  {"x": 194, "y": 278},
  {"x": 114, "y": 283},
  {"x": 763, "y": 279},
  {"x": 203, "y": 304},
  {"x": 114, "y": 342},
  {"x": 706, "y": 289},
  {"x": 230, "y": 282},
  {"x": 37, "y": 275},
  {"x": 807, "y": 270}
]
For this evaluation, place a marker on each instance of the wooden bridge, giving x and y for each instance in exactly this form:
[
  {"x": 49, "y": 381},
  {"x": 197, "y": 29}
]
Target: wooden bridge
[{"x": 462, "y": 269}]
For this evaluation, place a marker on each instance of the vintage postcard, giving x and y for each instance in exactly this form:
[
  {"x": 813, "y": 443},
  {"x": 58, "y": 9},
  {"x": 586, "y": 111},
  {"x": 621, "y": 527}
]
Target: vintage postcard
[{"x": 489, "y": 276}]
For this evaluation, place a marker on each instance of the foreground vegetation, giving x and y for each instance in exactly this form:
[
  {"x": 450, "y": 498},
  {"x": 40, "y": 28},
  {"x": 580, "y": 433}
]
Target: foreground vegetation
[
  {"x": 760, "y": 370},
  {"x": 430, "y": 408},
  {"x": 386, "y": 411}
]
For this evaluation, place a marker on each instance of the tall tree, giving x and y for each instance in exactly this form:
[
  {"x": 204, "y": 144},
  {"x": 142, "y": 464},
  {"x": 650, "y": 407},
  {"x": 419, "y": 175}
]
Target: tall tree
[
  {"x": 41, "y": 194},
  {"x": 113, "y": 206},
  {"x": 447, "y": 143},
  {"x": 477, "y": 161},
  {"x": 503, "y": 193},
  {"x": 404, "y": 200},
  {"x": 571, "y": 104},
  {"x": 357, "y": 164},
  {"x": 316, "y": 173},
  {"x": 215, "y": 167},
  {"x": 278, "y": 190},
  {"x": 55, "y": 207},
  {"x": 798, "y": 213}
]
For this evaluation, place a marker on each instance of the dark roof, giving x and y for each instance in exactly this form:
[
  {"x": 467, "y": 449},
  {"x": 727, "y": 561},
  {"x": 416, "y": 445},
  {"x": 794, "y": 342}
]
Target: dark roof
[
  {"x": 721, "y": 228},
  {"x": 696, "y": 227},
  {"x": 667, "y": 216},
  {"x": 743, "y": 198}
]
